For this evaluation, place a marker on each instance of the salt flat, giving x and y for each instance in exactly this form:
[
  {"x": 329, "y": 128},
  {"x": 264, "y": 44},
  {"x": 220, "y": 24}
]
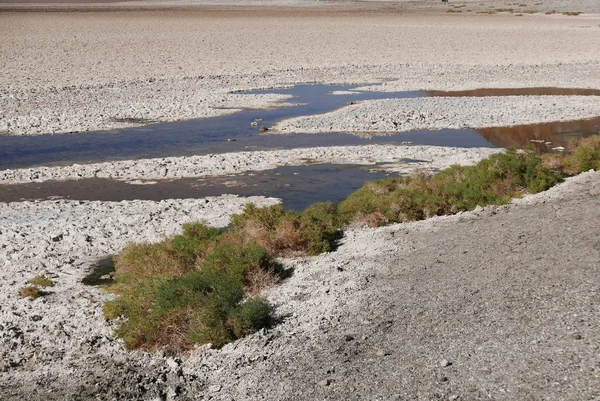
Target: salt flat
[{"x": 506, "y": 295}]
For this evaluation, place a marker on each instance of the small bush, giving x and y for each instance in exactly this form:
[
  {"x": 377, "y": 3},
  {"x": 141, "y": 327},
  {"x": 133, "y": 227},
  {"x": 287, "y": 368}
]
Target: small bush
[
  {"x": 173, "y": 257},
  {"x": 41, "y": 281},
  {"x": 188, "y": 289},
  {"x": 198, "y": 307},
  {"x": 319, "y": 227},
  {"x": 30, "y": 291},
  {"x": 239, "y": 262},
  {"x": 584, "y": 155},
  {"x": 251, "y": 316},
  {"x": 289, "y": 233}
]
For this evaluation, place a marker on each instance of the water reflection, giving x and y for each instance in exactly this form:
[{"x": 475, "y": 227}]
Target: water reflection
[
  {"x": 557, "y": 133},
  {"x": 297, "y": 186},
  {"x": 542, "y": 91}
]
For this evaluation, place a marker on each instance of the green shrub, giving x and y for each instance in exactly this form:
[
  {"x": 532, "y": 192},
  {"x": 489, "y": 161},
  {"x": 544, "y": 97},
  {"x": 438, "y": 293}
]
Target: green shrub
[
  {"x": 188, "y": 289},
  {"x": 172, "y": 257},
  {"x": 41, "y": 281},
  {"x": 319, "y": 227},
  {"x": 237, "y": 261},
  {"x": 289, "y": 233},
  {"x": 198, "y": 307},
  {"x": 458, "y": 188},
  {"x": 251, "y": 316},
  {"x": 584, "y": 155}
]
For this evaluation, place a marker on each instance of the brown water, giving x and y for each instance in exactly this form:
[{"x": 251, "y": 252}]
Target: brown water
[
  {"x": 518, "y": 92},
  {"x": 557, "y": 133}
]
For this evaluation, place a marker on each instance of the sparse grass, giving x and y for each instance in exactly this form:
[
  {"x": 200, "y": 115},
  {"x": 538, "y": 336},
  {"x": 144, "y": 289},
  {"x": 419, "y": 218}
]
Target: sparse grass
[
  {"x": 551, "y": 12},
  {"x": 30, "y": 291},
  {"x": 453, "y": 11},
  {"x": 572, "y": 13},
  {"x": 583, "y": 155},
  {"x": 33, "y": 291},
  {"x": 41, "y": 281}
]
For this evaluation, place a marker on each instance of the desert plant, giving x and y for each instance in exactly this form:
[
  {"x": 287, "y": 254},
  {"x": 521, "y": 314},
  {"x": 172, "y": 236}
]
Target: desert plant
[
  {"x": 289, "y": 233},
  {"x": 41, "y": 281},
  {"x": 30, "y": 291},
  {"x": 198, "y": 307},
  {"x": 174, "y": 256},
  {"x": 458, "y": 188},
  {"x": 251, "y": 316},
  {"x": 584, "y": 155},
  {"x": 320, "y": 227},
  {"x": 185, "y": 289}
]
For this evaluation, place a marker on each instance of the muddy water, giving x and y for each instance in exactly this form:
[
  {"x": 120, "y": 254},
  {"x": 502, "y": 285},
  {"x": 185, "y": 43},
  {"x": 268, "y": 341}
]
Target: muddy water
[
  {"x": 518, "y": 92},
  {"x": 543, "y": 137},
  {"x": 228, "y": 133},
  {"x": 297, "y": 186}
]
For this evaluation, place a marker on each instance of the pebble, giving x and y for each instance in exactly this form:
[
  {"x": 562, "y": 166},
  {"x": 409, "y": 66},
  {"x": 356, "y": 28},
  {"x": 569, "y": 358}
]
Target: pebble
[{"x": 325, "y": 382}]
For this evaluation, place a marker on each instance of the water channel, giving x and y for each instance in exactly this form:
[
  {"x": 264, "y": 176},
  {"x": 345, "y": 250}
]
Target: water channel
[{"x": 298, "y": 186}]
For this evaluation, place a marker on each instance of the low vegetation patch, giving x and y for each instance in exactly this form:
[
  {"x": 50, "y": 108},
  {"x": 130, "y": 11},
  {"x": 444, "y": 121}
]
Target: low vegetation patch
[
  {"x": 282, "y": 233},
  {"x": 30, "y": 291},
  {"x": 202, "y": 286},
  {"x": 582, "y": 155},
  {"x": 41, "y": 281},
  {"x": 197, "y": 287},
  {"x": 34, "y": 290},
  {"x": 493, "y": 181}
]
